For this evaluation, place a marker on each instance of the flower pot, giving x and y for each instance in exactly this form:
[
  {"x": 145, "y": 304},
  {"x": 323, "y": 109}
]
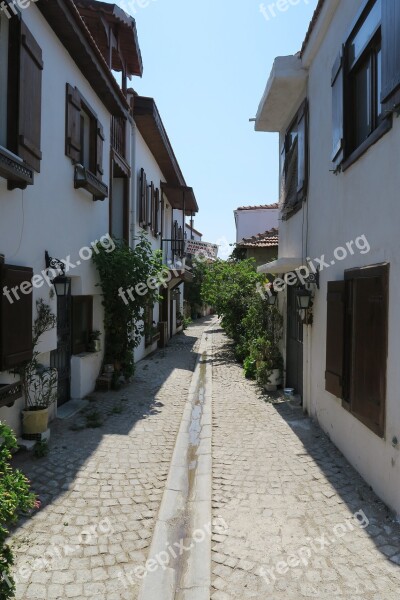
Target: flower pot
[
  {"x": 273, "y": 381},
  {"x": 35, "y": 421}
]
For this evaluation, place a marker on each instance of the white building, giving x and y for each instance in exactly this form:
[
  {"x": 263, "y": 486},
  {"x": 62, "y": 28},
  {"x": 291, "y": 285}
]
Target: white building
[
  {"x": 335, "y": 105},
  {"x": 81, "y": 159},
  {"x": 254, "y": 220}
]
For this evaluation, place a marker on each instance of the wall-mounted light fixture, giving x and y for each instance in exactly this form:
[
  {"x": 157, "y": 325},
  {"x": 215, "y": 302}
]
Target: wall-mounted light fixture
[{"x": 62, "y": 284}]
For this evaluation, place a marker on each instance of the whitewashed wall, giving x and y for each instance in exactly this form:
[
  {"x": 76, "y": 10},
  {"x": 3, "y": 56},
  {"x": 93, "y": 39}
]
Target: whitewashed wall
[{"x": 252, "y": 222}]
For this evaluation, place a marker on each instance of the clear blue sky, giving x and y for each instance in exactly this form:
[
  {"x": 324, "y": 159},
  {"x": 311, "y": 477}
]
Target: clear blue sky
[{"x": 206, "y": 63}]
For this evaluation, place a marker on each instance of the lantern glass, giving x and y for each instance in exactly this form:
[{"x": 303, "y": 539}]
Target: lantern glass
[
  {"x": 303, "y": 299},
  {"x": 272, "y": 300},
  {"x": 62, "y": 285}
]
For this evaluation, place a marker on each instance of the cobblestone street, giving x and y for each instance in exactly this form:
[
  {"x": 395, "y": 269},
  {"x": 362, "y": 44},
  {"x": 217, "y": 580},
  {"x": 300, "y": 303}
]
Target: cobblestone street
[{"x": 296, "y": 512}]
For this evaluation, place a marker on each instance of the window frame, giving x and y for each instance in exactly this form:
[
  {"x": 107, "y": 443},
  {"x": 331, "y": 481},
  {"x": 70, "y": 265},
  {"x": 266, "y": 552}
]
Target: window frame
[{"x": 383, "y": 122}]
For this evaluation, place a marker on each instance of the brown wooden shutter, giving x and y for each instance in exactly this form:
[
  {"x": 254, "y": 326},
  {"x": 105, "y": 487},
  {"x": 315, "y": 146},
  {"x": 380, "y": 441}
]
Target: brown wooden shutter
[
  {"x": 99, "y": 149},
  {"x": 302, "y": 156},
  {"x": 337, "y": 83},
  {"x": 30, "y": 99},
  {"x": 369, "y": 349},
  {"x": 151, "y": 212},
  {"x": 390, "y": 53},
  {"x": 142, "y": 198},
  {"x": 157, "y": 213},
  {"x": 15, "y": 318},
  {"x": 335, "y": 338},
  {"x": 73, "y": 124}
]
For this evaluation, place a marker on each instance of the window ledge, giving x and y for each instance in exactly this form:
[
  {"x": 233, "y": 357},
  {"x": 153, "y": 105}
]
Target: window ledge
[
  {"x": 9, "y": 393},
  {"x": 375, "y": 136},
  {"x": 83, "y": 178},
  {"x": 14, "y": 170}
]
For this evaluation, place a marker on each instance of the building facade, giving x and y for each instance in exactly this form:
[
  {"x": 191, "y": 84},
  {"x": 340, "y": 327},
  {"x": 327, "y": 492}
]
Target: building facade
[{"x": 335, "y": 106}]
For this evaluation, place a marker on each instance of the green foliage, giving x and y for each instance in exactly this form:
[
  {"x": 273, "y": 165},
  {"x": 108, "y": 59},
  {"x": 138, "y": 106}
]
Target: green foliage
[
  {"x": 186, "y": 322},
  {"x": 15, "y": 499},
  {"x": 193, "y": 290},
  {"x": 254, "y": 325},
  {"x": 41, "y": 449},
  {"x": 123, "y": 269},
  {"x": 230, "y": 286},
  {"x": 250, "y": 367},
  {"x": 39, "y": 382}
]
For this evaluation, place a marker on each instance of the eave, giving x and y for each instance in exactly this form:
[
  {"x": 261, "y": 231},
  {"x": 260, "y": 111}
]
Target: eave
[
  {"x": 103, "y": 20},
  {"x": 150, "y": 125},
  {"x": 285, "y": 89},
  {"x": 66, "y": 22}
]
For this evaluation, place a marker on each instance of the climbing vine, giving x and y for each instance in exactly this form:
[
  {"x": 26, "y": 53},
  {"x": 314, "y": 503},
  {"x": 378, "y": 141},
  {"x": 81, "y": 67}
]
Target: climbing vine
[{"x": 129, "y": 278}]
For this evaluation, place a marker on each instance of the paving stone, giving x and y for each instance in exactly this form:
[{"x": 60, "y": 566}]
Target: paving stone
[
  {"x": 280, "y": 484},
  {"x": 116, "y": 472}
]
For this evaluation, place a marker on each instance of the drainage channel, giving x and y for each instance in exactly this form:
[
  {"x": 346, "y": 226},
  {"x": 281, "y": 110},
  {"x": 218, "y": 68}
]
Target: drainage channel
[{"x": 180, "y": 553}]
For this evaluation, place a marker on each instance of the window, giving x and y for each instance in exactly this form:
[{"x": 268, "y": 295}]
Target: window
[
  {"x": 356, "y": 345},
  {"x": 84, "y": 140},
  {"x": 82, "y": 322},
  {"x": 365, "y": 78},
  {"x": 15, "y": 316},
  {"x": 21, "y": 68},
  {"x": 366, "y": 82},
  {"x": 294, "y": 163},
  {"x": 149, "y": 205}
]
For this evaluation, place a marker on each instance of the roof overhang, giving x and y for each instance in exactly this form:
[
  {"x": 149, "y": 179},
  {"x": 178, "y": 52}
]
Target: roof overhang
[
  {"x": 285, "y": 89},
  {"x": 181, "y": 197},
  {"x": 282, "y": 265},
  {"x": 109, "y": 20},
  {"x": 66, "y": 22},
  {"x": 151, "y": 127}
]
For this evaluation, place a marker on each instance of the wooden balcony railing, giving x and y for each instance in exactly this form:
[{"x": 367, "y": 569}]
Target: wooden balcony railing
[{"x": 118, "y": 138}]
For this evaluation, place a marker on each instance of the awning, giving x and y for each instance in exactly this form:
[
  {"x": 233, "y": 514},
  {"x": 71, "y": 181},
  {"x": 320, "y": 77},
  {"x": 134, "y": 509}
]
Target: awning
[
  {"x": 282, "y": 265},
  {"x": 181, "y": 197}
]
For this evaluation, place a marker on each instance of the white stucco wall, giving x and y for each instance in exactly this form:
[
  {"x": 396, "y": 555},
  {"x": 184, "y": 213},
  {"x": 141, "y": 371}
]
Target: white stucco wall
[
  {"x": 252, "y": 222},
  {"x": 51, "y": 215},
  {"x": 361, "y": 201}
]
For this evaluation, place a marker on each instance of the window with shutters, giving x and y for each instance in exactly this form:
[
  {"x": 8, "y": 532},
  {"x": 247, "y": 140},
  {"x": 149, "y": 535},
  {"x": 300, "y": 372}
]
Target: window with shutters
[
  {"x": 294, "y": 163},
  {"x": 21, "y": 67},
  {"x": 360, "y": 116},
  {"x": 15, "y": 316},
  {"x": 84, "y": 140},
  {"x": 82, "y": 322},
  {"x": 143, "y": 200},
  {"x": 356, "y": 343}
]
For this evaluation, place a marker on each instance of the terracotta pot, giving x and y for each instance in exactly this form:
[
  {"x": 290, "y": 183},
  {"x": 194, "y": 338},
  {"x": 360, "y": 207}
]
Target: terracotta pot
[{"x": 35, "y": 421}]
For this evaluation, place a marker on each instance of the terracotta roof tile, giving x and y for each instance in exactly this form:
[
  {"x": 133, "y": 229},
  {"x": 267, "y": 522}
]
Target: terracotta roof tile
[
  {"x": 268, "y": 239},
  {"x": 261, "y": 206}
]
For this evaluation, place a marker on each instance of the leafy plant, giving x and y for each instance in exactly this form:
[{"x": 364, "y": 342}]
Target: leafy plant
[
  {"x": 39, "y": 382},
  {"x": 186, "y": 322},
  {"x": 41, "y": 449},
  {"x": 250, "y": 367},
  {"x": 15, "y": 499},
  {"x": 124, "y": 269},
  {"x": 93, "y": 420}
]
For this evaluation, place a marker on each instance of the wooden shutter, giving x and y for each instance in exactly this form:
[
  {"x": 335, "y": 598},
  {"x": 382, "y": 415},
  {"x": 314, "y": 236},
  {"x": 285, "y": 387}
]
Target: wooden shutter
[
  {"x": 15, "y": 318},
  {"x": 369, "y": 348},
  {"x": 337, "y": 83},
  {"x": 152, "y": 208},
  {"x": 302, "y": 156},
  {"x": 73, "y": 124},
  {"x": 390, "y": 53},
  {"x": 335, "y": 338},
  {"x": 157, "y": 212},
  {"x": 30, "y": 99},
  {"x": 143, "y": 199},
  {"x": 99, "y": 149}
]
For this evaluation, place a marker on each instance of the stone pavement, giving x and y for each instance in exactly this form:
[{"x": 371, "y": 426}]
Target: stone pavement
[
  {"x": 101, "y": 487},
  {"x": 291, "y": 518},
  {"x": 289, "y": 499}
]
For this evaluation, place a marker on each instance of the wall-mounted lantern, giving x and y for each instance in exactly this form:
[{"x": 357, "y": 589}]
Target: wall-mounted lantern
[{"x": 62, "y": 284}]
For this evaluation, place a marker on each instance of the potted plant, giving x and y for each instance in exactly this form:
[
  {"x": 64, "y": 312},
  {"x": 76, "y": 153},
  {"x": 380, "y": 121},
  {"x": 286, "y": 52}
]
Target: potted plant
[
  {"x": 38, "y": 381},
  {"x": 270, "y": 367},
  {"x": 94, "y": 344},
  {"x": 179, "y": 319}
]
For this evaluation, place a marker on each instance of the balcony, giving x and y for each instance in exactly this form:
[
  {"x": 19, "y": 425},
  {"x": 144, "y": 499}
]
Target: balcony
[
  {"x": 9, "y": 393},
  {"x": 118, "y": 135}
]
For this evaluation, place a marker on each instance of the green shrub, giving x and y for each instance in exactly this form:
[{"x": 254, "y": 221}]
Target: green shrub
[
  {"x": 15, "y": 499},
  {"x": 250, "y": 368}
]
